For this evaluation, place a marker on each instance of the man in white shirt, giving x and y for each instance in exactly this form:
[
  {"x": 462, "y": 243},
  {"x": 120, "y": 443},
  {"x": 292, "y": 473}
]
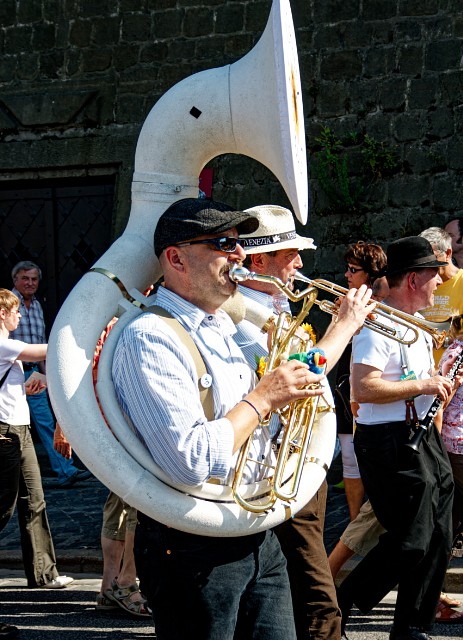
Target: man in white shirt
[{"x": 411, "y": 493}]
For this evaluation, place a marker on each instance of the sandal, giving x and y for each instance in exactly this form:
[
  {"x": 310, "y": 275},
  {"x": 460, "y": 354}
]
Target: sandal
[
  {"x": 121, "y": 596},
  {"x": 104, "y": 604},
  {"x": 447, "y": 615},
  {"x": 449, "y": 601}
]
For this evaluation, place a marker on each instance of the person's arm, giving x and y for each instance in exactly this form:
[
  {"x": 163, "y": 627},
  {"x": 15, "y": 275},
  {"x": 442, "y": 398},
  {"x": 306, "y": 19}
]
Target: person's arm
[
  {"x": 353, "y": 310},
  {"x": 285, "y": 384},
  {"x": 33, "y": 353},
  {"x": 368, "y": 385}
]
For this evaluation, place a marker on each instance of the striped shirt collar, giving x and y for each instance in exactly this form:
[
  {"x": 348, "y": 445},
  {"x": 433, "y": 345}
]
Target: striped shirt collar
[{"x": 189, "y": 315}]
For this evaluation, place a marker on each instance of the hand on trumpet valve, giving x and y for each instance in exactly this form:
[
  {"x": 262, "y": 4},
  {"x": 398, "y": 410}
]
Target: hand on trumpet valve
[
  {"x": 290, "y": 381},
  {"x": 356, "y": 306}
]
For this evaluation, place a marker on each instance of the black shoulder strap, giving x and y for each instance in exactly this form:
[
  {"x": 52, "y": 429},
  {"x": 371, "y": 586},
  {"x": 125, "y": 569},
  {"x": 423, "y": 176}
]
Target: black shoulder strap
[
  {"x": 5, "y": 375},
  {"x": 204, "y": 393}
]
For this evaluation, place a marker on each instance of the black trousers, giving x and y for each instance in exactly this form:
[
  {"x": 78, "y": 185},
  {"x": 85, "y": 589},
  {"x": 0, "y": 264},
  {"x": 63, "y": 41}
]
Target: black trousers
[
  {"x": 21, "y": 487},
  {"x": 411, "y": 494}
]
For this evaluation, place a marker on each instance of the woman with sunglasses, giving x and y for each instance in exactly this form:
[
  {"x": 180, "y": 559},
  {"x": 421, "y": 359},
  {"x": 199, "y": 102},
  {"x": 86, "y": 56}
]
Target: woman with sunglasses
[{"x": 366, "y": 263}]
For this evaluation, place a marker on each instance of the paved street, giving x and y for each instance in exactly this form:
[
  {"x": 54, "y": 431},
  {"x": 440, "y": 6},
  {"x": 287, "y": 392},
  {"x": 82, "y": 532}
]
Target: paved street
[{"x": 69, "y": 614}]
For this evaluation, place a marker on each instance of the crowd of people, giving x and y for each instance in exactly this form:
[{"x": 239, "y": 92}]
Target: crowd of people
[{"x": 406, "y": 508}]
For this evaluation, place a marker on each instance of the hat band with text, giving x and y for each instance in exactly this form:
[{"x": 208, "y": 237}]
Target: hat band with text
[{"x": 266, "y": 240}]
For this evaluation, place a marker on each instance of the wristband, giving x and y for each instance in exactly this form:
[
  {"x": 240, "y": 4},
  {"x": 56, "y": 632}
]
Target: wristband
[{"x": 253, "y": 407}]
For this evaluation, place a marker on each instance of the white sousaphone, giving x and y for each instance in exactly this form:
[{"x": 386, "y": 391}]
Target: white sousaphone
[{"x": 252, "y": 107}]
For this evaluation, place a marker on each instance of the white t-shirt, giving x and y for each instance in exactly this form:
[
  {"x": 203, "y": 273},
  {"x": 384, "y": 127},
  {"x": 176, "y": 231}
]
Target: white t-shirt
[
  {"x": 384, "y": 354},
  {"x": 14, "y": 409}
]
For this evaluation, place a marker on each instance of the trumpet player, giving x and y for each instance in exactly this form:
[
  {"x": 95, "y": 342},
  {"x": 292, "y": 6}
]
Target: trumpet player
[
  {"x": 209, "y": 588},
  {"x": 274, "y": 249},
  {"x": 411, "y": 493}
]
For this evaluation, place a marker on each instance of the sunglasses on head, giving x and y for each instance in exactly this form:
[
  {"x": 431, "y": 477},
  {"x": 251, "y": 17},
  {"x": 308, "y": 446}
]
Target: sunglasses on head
[
  {"x": 354, "y": 269},
  {"x": 220, "y": 244}
]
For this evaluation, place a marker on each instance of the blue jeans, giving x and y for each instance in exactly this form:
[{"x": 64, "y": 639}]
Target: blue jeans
[
  {"x": 214, "y": 588},
  {"x": 44, "y": 422},
  {"x": 21, "y": 486}
]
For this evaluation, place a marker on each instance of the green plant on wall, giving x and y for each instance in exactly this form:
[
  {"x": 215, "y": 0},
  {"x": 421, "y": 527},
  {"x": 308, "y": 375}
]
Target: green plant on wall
[{"x": 341, "y": 176}]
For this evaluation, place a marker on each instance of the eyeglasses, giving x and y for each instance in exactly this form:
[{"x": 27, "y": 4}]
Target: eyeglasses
[
  {"x": 220, "y": 244},
  {"x": 354, "y": 269}
]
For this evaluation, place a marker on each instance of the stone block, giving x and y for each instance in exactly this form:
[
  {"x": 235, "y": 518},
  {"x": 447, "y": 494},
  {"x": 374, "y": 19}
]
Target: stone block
[
  {"x": 8, "y": 66},
  {"x": 106, "y": 31},
  {"x": 256, "y": 15},
  {"x": 332, "y": 99},
  {"x": 154, "y": 52},
  {"x": 126, "y": 56},
  {"x": 408, "y": 191},
  {"x": 443, "y": 55},
  {"x": 408, "y": 31},
  {"x": 96, "y": 59},
  {"x": 379, "y": 9},
  {"x": 392, "y": 94},
  {"x": 168, "y": 24},
  {"x": 135, "y": 28},
  {"x": 198, "y": 22},
  {"x": 455, "y": 153},
  {"x": 379, "y": 125},
  {"x": 7, "y": 13},
  {"x": 423, "y": 92},
  {"x": 92, "y": 8},
  {"x": 80, "y": 33},
  {"x": 418, "y": 7},
  {"x": 238, "y": 45},
  {"x": 446, "y": 191},
  {"x": 327, "y": 36},
  {"x": 43, "y": 37},
  {"x": 160, "y": 5},
  {"x": 452, "y": 87},
  {"x": 378, "y": 61},
  {"x": 336, "y": 10},
  {"x": 17, "y": 39},
  {"x": 357, "y": 34},
  {"x": 51, "y": 64},
  {"x": 28, "y": 66},
  {"x": 341, "y": 65},
  {"x": 229, "y": 18},
  {"x": 28, "y": 11},
  {"x": 440, "y": 123},
  {"x": 410, "y": 58},
  {"x": 421, "y": 159},
  {"x": 363, "y": 97},
  {"x": 409, "y": 126},
  {"x": 181, "y": 49}
]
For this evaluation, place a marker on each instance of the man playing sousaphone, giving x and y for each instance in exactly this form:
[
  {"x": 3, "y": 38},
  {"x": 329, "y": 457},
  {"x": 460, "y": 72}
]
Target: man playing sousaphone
[{"x": 209, "y": 587}]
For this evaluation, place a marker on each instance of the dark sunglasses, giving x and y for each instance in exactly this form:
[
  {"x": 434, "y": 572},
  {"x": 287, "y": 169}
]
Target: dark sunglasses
[
  {"x": 221, "y": 244},
  {"x": 354, "y": 269}
]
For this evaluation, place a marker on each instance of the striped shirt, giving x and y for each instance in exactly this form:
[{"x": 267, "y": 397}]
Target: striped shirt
[
  {"x": 31, "y": 328},
  {"x": 156, "y": 385}
]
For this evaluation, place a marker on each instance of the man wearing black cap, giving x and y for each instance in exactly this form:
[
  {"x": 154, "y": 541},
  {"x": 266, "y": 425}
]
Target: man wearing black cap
[
  {"x": 411, "y": 493},
  {"x": 198, "y": 586}
]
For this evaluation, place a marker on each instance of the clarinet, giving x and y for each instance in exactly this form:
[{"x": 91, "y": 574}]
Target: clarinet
[{"x": 425, "y": 424}]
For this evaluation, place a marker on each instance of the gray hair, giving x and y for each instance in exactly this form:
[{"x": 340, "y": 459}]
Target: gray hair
[
  {"x": 439, "y": 238},
  {"x": 25, "y": 265}
]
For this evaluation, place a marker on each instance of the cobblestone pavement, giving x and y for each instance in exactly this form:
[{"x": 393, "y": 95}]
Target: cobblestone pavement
[{"x": 75, "y": 515}]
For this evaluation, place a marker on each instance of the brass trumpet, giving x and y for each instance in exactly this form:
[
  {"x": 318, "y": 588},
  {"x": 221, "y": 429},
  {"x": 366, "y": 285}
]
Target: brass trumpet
[{"x": 406, "y": 321}]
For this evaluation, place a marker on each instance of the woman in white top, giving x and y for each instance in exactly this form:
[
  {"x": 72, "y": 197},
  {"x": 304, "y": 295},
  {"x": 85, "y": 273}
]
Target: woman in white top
[{"x": 19, "y": 468}]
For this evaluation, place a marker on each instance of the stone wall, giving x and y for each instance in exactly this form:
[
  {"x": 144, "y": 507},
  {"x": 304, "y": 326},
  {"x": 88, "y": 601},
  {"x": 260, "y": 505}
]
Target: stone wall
[{"x": 78, "y": 78}]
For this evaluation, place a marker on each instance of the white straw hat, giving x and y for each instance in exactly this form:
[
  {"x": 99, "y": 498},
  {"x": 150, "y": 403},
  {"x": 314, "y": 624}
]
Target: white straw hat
[{"x": 276, "y": 231}]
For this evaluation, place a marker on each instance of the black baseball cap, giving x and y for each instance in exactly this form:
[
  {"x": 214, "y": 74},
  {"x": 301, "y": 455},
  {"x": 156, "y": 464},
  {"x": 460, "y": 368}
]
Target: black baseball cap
[
  {"x": 192, "y": 217},
  {"x": 408, "y": 254}
]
